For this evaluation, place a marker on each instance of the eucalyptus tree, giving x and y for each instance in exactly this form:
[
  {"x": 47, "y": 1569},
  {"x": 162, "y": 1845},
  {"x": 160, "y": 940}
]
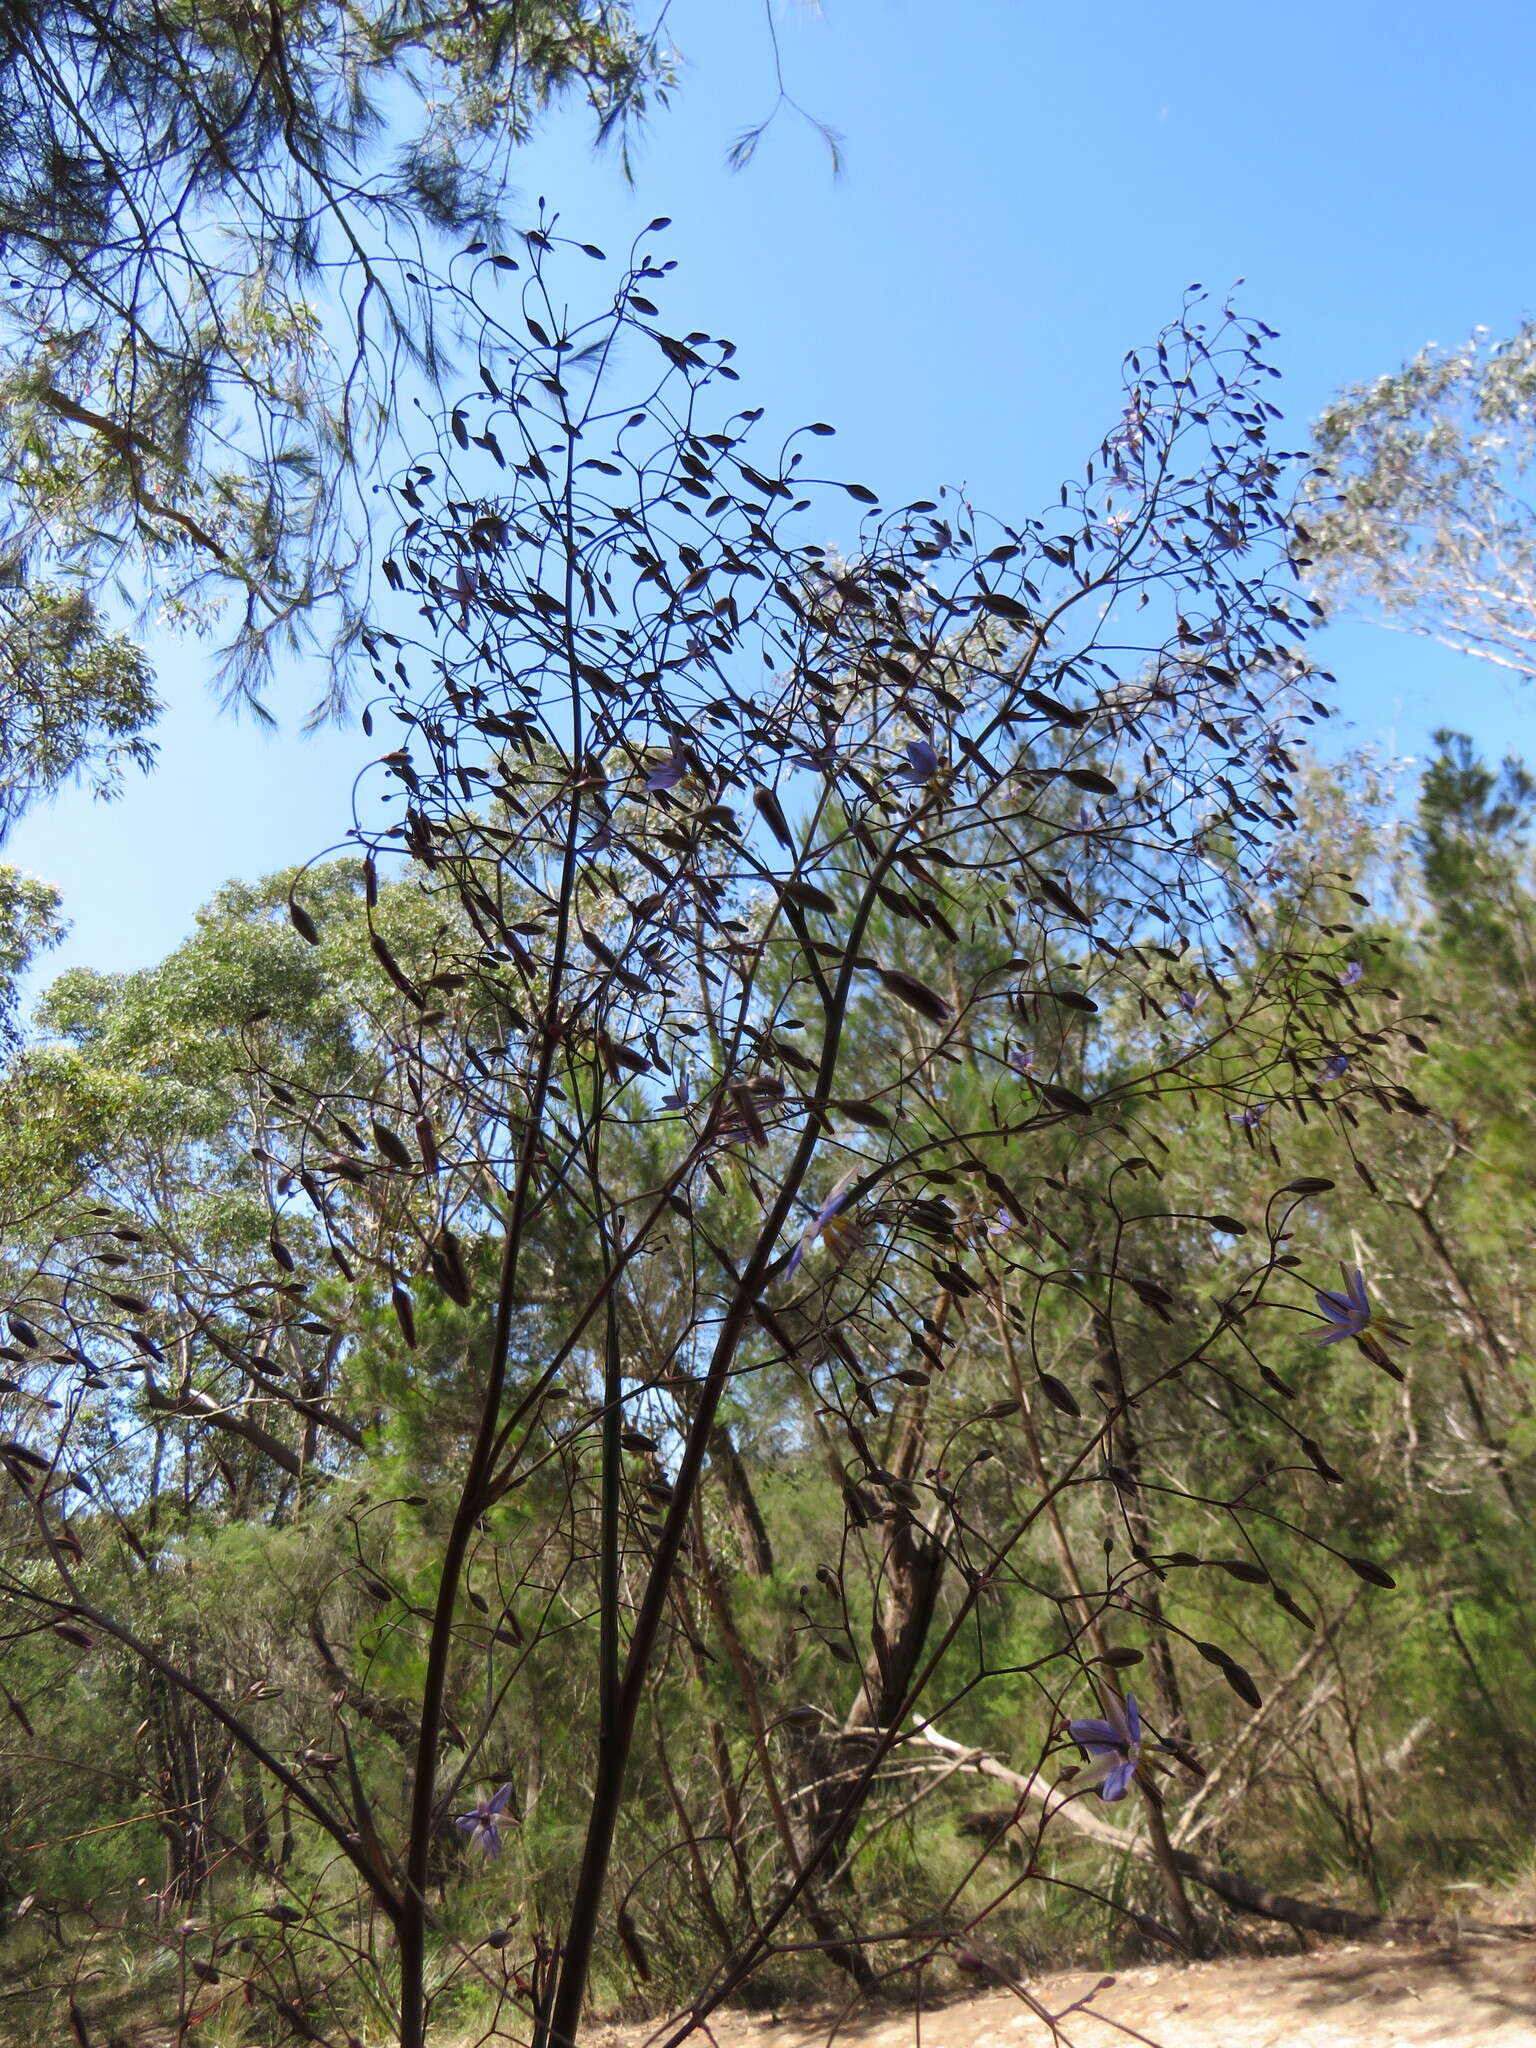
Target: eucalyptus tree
[
  {"x": 773, "y": 904},
  {"x": 1421, "y": 504},
  {"x": 76, "y": 701},
  {"x": 30, "y": 924}
]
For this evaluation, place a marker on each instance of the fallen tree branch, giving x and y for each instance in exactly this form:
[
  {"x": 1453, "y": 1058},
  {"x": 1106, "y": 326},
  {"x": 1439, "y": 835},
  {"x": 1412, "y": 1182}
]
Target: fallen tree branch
[{"x": 1058, "y": 1803}]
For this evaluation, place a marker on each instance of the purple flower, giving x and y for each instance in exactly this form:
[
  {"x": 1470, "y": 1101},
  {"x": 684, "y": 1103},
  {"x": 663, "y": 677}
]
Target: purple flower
[
  {"x": 1352, "y": 975},
  {"x": 668, "y": 775},
  {"x": 1349, "y": 1312},
  {"x": 1351, "y": 1315},
  {"x": 1129, "y": 440},
  {"x": 1000, "y": 1225},
  {"x": 1190, "y": 1003},
  {"x": 924, "y": 761},
  {"x": 483, "y": 1823},
  {"x": 1114, "y": 1747},
  {"x": 1022, "y": 1062},
  {"x": 465, "y": 584},
  {"x": 1335, "y": 1067},
  {"x": 1251, "y": 1117},
  {"x": 842, "y": 1236}
]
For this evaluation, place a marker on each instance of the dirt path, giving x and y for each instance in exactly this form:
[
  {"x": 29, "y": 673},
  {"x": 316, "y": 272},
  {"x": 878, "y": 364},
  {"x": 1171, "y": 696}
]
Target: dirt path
[{"x": 1480, "y": 1994}]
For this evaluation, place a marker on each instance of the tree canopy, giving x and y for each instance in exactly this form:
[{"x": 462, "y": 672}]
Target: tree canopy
[
  {"x": 1421, "y": 508},
  {"x": 224, "y": 231}
]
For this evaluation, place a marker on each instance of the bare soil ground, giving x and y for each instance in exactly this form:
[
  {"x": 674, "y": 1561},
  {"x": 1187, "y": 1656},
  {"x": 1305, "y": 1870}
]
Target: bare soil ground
[{"x": 1475, "y": 1994}]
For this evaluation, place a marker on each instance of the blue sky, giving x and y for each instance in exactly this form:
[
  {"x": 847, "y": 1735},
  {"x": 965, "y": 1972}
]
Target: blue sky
[{"x": 1028, "y": 191}]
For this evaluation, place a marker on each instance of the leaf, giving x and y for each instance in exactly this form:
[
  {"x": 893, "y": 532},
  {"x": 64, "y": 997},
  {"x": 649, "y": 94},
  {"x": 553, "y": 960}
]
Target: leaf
[
  {"x": 1071, "y": 999},
  {"x": 1064, "y": 1098},
  {"x": 1120, "y": 1660},
  {"x": 772, "y": 812},
  {"x": 1373, "y": 1574},
  {"x": 1053, "y": 708},
  {"x": 1319, "y": 1463},
  {"x": 1091, "y": 779},
  {"x": 1007, "y": 608},
  {"x": 790, "y": 1057},
  {"x": 393, "y": 1148},
  {"x": 1309, "y": 1184},
  {"x": 1242, "y": 1684},
  {"x": 1229, "y": 1225},
  {"x": 1243, "y": 1568},
  {"x": 808, "y": 897},
  {"x": 618, "y": 1056},
  {"x": 917, "y": 995},
  {"x": 1006, "y": 1195},
  {"x": 634, "y": 1948},
  {"x": 1296, "y": 1612},
  {"x": 405, "y": 1314},
  {"x": 448, "y": 1269},
  {"x": 1058, "y": 1394},
  {"x": 303, "y": 923},
  {"x": 866, "y": 1113},
  {"x": 1063, "y": 900},
  {"x": 393, "y": 969}
]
